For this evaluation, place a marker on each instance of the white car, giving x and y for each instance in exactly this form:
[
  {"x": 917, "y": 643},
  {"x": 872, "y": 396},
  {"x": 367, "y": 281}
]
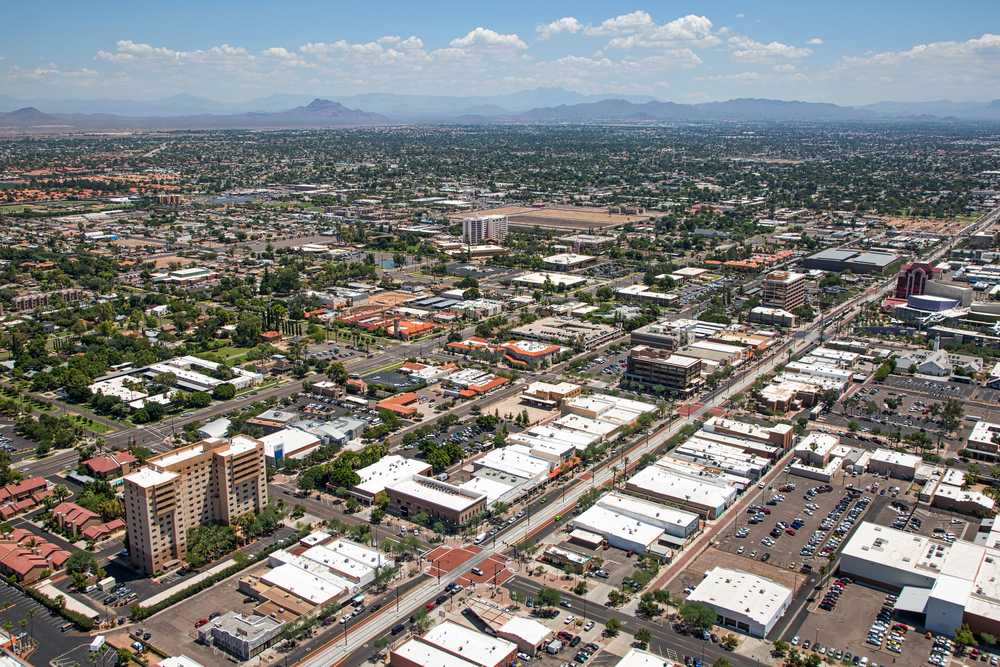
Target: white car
[
  {"x": 569, "y": 619},
  {"x": 795, "y": 640},
  {"x": 741, "y": 550}
]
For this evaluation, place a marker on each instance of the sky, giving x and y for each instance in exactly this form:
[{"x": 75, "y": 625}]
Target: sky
[{"x": 847, "y": 52}]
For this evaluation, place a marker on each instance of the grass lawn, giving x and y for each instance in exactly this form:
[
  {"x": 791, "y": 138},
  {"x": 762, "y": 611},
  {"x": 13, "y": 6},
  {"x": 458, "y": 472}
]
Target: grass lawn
[
  {"x": 90, "y": 414},
  {"x": 230, "y": 352},
  {"x": 97, "y": 427}
]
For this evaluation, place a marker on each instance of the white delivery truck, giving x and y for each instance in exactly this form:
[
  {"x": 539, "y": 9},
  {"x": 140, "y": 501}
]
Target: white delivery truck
[{"x": 97, "y": 644}]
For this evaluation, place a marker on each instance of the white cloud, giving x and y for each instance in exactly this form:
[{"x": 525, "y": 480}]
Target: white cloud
[
  {"x": 410, "y": 43},
  {"x": 639, "y": 31},
  {"x": 787, "y": 67},
  {"x": 565, "y": 24},
  {"x": 741, "y": 15},
  {"x": 815, "y": 41},
  {"x": 488, "y": 40},
  {"x": 962, "y": 68},
  {"x": 747, "y": 50},
  {"x": 388, "y": 39},
  {"x": 623, "y": 24}
]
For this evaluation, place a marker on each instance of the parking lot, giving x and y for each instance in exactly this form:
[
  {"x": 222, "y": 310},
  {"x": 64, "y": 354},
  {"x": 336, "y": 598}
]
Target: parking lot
[
  {"x": 823, "y": 526},
  {"x": 847, "y": 628}
]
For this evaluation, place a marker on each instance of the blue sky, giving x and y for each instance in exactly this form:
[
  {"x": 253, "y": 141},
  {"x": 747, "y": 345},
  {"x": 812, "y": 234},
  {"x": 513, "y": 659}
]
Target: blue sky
[{"x": 845, "y": 52}]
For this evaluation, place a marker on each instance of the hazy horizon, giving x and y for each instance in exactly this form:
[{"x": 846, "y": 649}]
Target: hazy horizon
[{"x": 851, "y": 54}]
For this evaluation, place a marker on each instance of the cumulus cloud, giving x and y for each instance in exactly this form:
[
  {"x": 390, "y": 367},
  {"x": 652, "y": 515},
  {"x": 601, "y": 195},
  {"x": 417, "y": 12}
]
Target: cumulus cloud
[
  {"x": 746, "y": 50},
  {"x": 566, "y": 24},
  {"x": 388, "y": 39},
  {"x": 815, "y": 41},
  {"x": 638, "y": 31},
  {"x": 741, "y": 15},
  {"x": 488, "y": 40},
  {"x": 410, "y": 43},
  {"x": 966, "y": 68}
]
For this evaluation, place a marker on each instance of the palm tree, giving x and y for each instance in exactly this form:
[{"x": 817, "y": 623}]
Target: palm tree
[
  {"x": 6, "y": 607},
  {"x": 31, "y": 615}
]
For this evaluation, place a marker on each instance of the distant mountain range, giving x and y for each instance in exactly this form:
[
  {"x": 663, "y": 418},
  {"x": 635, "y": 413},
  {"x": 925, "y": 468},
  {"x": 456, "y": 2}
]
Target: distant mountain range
[
  {"x": 396, "y": 107},
  {"x": 543, "y": 105},
  {"x": 318, "y": 113}
]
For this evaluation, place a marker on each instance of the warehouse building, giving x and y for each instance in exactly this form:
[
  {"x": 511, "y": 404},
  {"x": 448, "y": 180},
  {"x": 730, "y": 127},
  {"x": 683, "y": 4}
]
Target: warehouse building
[{"x": 838, "y": 260}]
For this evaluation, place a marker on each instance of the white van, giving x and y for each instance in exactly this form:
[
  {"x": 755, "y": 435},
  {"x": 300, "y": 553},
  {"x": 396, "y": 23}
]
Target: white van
[{"x": 480, "y": 538}]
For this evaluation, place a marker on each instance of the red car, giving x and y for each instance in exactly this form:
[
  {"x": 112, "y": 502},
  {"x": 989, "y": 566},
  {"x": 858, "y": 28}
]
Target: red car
[
  {"x": 201, "y": 623},
  {"x": 789, "y": 531},
  {"x": 430, "y": 605}
]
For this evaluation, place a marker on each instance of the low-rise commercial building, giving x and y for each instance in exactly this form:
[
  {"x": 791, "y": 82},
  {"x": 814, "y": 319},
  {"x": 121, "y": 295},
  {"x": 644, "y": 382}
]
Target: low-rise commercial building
[
  {"x": 981, "y": 444},
  {"x": 695, "y": 492},
  {"x": 772, "y": 316},
  {"x": 890, "y": 463},
  {"x": 742, "y": 601},
  {"x": 242, "y": 636},
  {"x": 439, "y": 500},
  {"x": 550, "y": 396},
  {"x": 641, "y": 526},
  {"x": 567, "y": 331},
  {"x": 385, "y": 472}
]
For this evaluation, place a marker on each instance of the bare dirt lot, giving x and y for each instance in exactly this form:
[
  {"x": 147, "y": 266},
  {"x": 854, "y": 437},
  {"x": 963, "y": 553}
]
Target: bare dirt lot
[
  {"x": 389, "y": 299},
  {"x": 926, "y": 225}
]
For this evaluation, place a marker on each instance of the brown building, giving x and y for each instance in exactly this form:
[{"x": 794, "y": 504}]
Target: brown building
[
  {"x": 439, "y": 500},
  {"x": 212, "y": 481},
  {"x": 784, "y": 289},
  {"x": 673, "y": 372}
]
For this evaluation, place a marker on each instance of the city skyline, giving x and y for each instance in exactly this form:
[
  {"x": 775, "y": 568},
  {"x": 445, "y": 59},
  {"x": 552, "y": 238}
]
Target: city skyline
[{"x": 851, "y": 54}]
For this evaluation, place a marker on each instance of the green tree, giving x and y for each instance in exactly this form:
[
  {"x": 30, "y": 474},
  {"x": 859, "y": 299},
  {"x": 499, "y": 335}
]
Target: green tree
[
  {"x": 612, "y": 626},
  {"x": 722, "y": 662},
  {"x": 780, "y": 648},
  {"x": 548, "y": 597},
  {"x": 643, "y": 636},
  {"x": 697, "y": 614}
]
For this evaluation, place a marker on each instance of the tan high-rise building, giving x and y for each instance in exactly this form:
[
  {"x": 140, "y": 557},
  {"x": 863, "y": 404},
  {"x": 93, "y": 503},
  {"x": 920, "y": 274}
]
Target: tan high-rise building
[
  {"x": 482, "y": 227},
  {"x": 212, "y": 481},
  {"x": 785, "y": 290}
]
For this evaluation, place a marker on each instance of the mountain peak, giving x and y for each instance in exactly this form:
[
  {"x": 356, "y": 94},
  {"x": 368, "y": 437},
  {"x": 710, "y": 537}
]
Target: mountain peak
[{"x": 25, "y": 116}]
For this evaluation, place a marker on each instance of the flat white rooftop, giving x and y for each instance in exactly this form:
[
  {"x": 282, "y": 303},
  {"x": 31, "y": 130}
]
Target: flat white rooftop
[
  {"x": 386, "y": 472},
  {"x": 476, "y": 647},
  {"x": 749, "y": 595},
  {"x": 147, "y": 477}
]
